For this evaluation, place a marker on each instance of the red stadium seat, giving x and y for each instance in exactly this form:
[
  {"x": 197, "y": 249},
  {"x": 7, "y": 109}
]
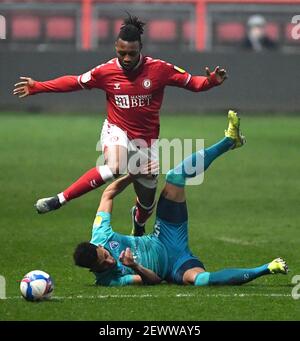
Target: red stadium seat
[
  {"x": 102, "y": 29},
  {"x": 162, "y": 30},
  {"x": 230, "y": 32},
  {"x": 117, "y": 25},
  {"x": 26, "y": 27},
  {"x": 188, "y": 30},
  {"x": 272, "y": 31},
  {"x": 60, "y": 28},
  {"x": 288, "y": 32}
]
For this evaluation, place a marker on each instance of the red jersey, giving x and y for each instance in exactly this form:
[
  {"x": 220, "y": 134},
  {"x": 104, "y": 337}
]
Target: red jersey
[{"x": 133, "y": 97}]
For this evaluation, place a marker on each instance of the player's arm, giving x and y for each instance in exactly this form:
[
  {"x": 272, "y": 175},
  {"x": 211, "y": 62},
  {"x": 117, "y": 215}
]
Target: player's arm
[
  {"x": 144, "y": 275},
  {"x": 118, "y": 186},
  {"x": 111, "y": 191},
  {"x": 89, "y": 80},
  {"x": 121, "y": 281},
  {"x": 203, "y": 83},
  {"x": 176, "y": 76},
  {"x": 29, "y": 86}
]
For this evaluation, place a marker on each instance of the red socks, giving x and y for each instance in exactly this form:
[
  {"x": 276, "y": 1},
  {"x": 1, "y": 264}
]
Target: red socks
[
  {"x": 143, "y": 213},
  {"x": 86, "y": 183}
]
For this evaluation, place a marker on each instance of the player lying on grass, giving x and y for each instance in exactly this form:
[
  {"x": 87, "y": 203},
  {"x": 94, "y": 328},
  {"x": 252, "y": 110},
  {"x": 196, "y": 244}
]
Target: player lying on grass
[
  {"x": 134, "y": 86},
  {"x": 118, "y": 259}
]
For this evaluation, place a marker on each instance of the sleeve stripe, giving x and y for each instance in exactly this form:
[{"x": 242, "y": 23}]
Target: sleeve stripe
[
  {"x": 79, "y": 82},
  {"x": 188, "y": 79}
]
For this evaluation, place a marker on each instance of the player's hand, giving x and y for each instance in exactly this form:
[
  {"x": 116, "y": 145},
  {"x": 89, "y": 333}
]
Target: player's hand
[
  {"x": 150, "y": 167},
  {"x": 146, "y": 170},
  {"x": 22, "y": 89},
  {"x": 221, "y": 74},
  {"x": 126, "y": 258}
]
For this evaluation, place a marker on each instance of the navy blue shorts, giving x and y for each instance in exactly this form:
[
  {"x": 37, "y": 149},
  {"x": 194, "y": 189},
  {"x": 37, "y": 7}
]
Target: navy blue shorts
[{"x": 171, "y": 229}]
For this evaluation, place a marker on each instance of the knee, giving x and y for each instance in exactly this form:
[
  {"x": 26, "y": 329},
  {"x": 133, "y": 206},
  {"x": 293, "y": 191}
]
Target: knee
[
  {"x": 115, "y": 168},
  {"x": 149, "y": 183}
]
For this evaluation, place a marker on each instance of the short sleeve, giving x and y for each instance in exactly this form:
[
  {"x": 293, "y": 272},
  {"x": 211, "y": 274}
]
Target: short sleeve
[
  {"x": 175, "y": 76},
  {"x": 102, "y": 229},
  {"x": 93, "y": 78}
]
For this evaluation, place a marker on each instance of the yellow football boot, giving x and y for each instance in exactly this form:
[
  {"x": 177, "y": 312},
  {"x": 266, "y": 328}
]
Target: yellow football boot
[
  {"x": 233, "y": 130},
  {"x": 278, "y": 266}
]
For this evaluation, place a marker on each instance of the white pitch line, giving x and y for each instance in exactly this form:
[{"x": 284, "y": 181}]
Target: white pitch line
[
  {"x": 157, "y": 296},
  {"x": 239, "y": 241}
]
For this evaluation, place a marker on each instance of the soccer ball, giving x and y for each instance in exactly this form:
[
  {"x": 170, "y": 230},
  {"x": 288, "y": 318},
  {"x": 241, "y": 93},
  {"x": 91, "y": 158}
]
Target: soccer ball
[{"x": 36, "y": 285}]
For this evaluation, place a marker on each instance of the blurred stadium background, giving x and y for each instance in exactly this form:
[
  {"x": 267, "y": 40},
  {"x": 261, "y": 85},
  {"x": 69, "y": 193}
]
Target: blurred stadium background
[
  {"x": 48, "y": 140},
  {"x": 51, "y": 38}
]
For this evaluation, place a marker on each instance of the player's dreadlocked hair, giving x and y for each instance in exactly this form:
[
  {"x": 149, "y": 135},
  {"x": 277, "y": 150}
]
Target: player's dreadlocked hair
[
  {"x": 131, "y": 29},
  {"x": 85, "y": 255}
]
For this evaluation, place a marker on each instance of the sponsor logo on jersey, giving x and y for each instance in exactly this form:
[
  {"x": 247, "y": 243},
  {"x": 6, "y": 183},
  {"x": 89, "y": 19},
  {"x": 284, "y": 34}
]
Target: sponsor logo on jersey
[
  {"x": 147, "y": 83},
  {"x": 97, "y": 221},
  {"x": 114, "y": 245},
  {"x": 179, "y": 69},
  {"x": 126, "y": 101},
  {"x": 117, "y": 86}
]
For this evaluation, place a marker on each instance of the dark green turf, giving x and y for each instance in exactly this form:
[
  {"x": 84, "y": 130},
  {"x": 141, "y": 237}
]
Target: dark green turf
[{"x": 246, "y": 213}]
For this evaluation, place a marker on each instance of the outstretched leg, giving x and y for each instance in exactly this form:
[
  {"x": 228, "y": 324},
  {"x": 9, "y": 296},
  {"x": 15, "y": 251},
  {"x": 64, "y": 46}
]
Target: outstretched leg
[
  {"x": 92, "y": 179},
  {"x": 172, "y": 215},
  {"x": 239, "y": 276},
  {"x": 198, "y": 162}
]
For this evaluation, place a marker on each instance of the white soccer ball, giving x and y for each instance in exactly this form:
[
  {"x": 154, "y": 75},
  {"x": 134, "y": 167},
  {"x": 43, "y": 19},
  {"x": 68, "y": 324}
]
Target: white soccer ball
[{"x": 36, "y": 285}]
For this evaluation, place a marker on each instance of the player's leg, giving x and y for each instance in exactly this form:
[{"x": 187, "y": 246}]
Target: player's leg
[
  {"x": 97, "y": 176},
  {"x": 198, "y": 277},
  {"x": 114, "y": 146},
  {"x": 172, "y": 204},
  {"x": 145, "y": 204},
  {"x": 145, "y": 189},
  {"x": 199, "y": 161}
]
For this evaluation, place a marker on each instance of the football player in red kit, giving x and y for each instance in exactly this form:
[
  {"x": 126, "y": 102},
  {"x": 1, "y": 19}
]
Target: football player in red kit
[{"x": 134, "y": 86}]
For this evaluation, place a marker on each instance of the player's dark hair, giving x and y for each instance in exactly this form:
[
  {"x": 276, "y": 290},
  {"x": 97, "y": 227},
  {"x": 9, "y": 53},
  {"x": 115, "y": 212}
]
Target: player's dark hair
[
  {"x": 131, "y": 29},
  {"x": 85, "y": 255}
]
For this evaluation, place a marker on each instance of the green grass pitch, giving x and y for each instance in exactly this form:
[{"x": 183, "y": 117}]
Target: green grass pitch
[{"x": 245, "y": 214}]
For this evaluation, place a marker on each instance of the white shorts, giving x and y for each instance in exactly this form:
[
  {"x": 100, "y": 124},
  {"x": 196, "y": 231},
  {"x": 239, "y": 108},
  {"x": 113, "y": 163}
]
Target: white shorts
[{"x": 112, "y": 135}]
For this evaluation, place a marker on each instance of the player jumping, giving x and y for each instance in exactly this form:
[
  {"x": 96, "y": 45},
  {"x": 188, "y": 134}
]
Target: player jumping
[
  {"x": 134, "y": 86},
  {"x": 118, "y": 259}
]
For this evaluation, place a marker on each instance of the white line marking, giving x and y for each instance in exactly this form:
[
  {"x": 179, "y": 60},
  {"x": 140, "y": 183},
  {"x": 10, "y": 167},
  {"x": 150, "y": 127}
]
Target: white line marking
[
  {"x": 239, "y": 241},
  {"x": 75, "y": 297}
]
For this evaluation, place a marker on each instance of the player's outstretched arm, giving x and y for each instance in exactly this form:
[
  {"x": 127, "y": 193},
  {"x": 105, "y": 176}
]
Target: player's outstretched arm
[
  {"x": 212, "y": 79},
  {"x": 29, "y": 86},
  {"x": 219, "y": 74},
  {"x": 120, "y": 184},
  {"x": 111, "y": 191},
  {"x": 22, "y": 89},
  {"x": 147, "y": 276}
]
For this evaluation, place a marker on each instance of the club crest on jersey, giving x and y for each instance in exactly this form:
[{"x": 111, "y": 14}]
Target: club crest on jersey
[
  {"x": 114, "y": 139},
  {"x": 117, "y": 86},
  {"x": 114, "y": 245},
  {"x": 179, "y": 69},
  {"x": 147, "y": 83}
]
